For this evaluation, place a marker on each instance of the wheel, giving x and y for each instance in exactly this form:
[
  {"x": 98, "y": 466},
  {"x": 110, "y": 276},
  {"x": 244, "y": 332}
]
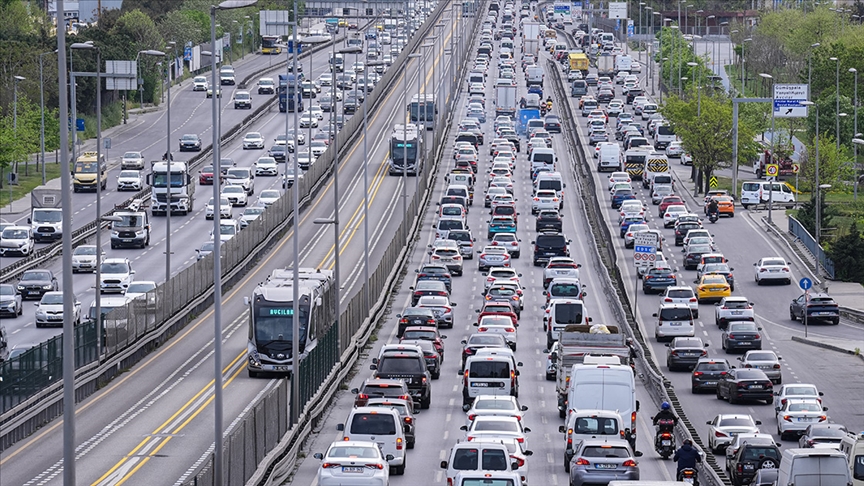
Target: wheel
[
  {"x": 398, "y": 470},
  {"x": 425, "y": 403},
  {"x": 792, "y": 315},
  {"x": 717, "y": 393},
  {"x": 731, "y": 399},
  {"x": 437, "y": 375},
  {"x": 20, "y": 309},
  {"x": 835, "y": 321},
  {"x": 550, "y": 377},
  {"x": 768, "y": 463},
  {"x": 410, "y": 444}
]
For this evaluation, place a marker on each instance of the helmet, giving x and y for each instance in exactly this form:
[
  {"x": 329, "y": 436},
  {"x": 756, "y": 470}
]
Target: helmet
[{"x": 665, "y": 406}]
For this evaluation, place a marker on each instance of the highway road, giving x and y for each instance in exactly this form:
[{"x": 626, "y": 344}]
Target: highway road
[
  {"x": 157, "y": 419},
  {"x": 743, "y": 240}
]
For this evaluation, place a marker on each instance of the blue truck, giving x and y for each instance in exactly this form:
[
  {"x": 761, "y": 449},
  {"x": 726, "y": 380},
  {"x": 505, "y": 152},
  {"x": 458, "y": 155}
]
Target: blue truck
[{"x": 525, "y": 116}]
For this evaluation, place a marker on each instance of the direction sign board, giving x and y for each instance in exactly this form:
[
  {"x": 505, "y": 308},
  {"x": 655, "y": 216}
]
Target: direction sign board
[
  {"x": 788, "y": 99},
  {"x": 618, "y": 10},
  {"x": 805, "y": 283},
  {"x": 796, "y": 168},
  {"x": 645, "y": 249}
]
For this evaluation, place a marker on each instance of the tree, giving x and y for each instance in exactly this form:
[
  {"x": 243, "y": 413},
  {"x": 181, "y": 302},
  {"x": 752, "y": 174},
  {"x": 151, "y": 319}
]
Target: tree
[
  {"x": 846, "y": 253},
  {"x": 807, "y": 214},
  {"x": 834, "y": 167}
]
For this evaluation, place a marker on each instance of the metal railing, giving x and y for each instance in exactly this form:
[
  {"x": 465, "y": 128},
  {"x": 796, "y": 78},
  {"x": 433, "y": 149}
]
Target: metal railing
[{"x": 801, "y": 234}]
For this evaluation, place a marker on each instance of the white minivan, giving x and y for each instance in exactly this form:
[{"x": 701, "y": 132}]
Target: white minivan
[
  {"x": 813, "y": 467},
  {"x": 490, "y": 375},
  {"x": 609, "y": 157},
  {"x": 603, "y": 387},
  {"x": 759, "y": 192},
  {"x": 378, "y": 425},
  {"x": 853, "y": 446}
]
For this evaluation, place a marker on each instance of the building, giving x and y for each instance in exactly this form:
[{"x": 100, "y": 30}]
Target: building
[{"x": 82, "y": 11}]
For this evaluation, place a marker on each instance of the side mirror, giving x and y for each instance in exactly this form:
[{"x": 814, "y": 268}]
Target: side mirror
[
  {"x": 562, "y": 429},
  {"x": 519, "y": 364},
  {"x": 464, "y": 427},
  {"x": 355, "y": 390},
  {"x": 824, "y": 409},
  {"x": 638, "y": 453},
  {"x": 318, "y": 456},
  {"x": 373, "y": 367},
  {"x": 466, "y": 407},
  {"x": 526, "y": 430},
  {"x": 340, "y": 427},
  {"x": 389, "y": 457},
  {"x": 524, "y": 408},
  {"x": 443, "y": 464},
  {"x": 463, "y": 342},
  {"x": 654, "y": 315}
]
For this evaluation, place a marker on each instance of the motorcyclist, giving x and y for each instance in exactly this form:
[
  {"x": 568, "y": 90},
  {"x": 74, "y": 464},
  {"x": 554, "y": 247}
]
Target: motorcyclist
[
  {"x": 549, "y": 103},
  {"x": 632, "y": 346},
  {"x": 712, "y": 207},
  {"x": 523, "y": 103},
  {"x": 687, "y": 457},
  {"x": 166, "y": 155},
  {"x": 665, "y": 413}
]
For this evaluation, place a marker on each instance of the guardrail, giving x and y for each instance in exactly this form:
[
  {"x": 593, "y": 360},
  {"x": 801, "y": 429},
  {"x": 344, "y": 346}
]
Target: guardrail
[
  {"x": 606, "y": 263},
  {"x": 800, "y": 232}
]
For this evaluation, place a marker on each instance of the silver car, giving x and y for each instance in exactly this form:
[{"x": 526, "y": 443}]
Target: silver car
[
  {"x": 767, "y": 361},
  {"x": 492, "y": 256},
  {"x": 505, "y": 293},
  {"x": 441, "y": 307},
  {"x": 660, "y": 191},
  {"x": 603, "y": 461},
  {"x": 725, "y": 427}
]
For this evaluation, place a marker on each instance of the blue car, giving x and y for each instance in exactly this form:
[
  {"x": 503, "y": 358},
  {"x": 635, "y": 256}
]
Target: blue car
[
  {"x": 621, "y": 195},
  {"x": 625, "y": 225},
  {"x": 657, "y": 279},
  {"x": 500, "y": 225}
]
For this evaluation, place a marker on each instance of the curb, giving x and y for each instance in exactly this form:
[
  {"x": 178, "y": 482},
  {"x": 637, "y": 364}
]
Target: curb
[{"x": 831, "y": 347}]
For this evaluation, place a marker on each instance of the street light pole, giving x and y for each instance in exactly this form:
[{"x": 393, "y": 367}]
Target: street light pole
[
  {"x": 855, "y": 131},
  {"x": 42, "y": 111},
  {"x": 837, "y": 112},
  {"x": 773, "y": 149},
  {"x": 365, "y": 192}
]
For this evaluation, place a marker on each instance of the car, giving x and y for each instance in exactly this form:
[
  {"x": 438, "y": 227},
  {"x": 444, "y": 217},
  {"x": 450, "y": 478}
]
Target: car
[
  {"x": 685, "y": 352},
  {"x": 49, "y": 310},
  {"x": 767, "y": 361},
  {"x": 475, "y": 342},
  {"x": 406, "y": 413},
  {"x": 660, "y": 191},
  {"x": 713, "y": 287},
  {"x": 751, "y": 457},
  {"x": 34, "y": 283},
  {"x": 682, "y": 294},
  {"x": 706, "y": 373},
  {"x": 228, "y": 229},
  {"x": 500, "y": 224},
  {"x": 548, "y": 220},
  {"x": 16, "y": 240},
  {"x": 772, "y": 269},
  {"x": 278, "y": 152},
  {"x": 495, "y": 405},
  {"x": 266, "y": 86},
  {"x": 447, "y": 252},
  {"x": 235, "y": 195},
  {"x": 427, "y": 287},
  {"x": 509, "y": 241},
  {"x": 210, "y": 92},
  {"x": 674, "y": 150},
  {"x": 498, "y": 324},
  {"x": 496, "y": 426},
  {"x": 822, "y": 436},
  {"x": 141, "y": 288},
  {"x": 417, "y": 316},
  {"x": 190, "y": 143},
  {"x": 434, "y": 271},
  {"x": 132, "y": 160},
  {"x": 253, "y": 140},
  {"x": 10, "y": 301},
  {"x": 796, "y": 414},
  {"x": 657, "y": 280},
  {"x": 668, "y": 201},
  {"x": 693, "y": 256},
  {"x": 545, "y": 199},
  {"x": 84, "y": 258},
  {"x": 741, "y": 336},
  {"x": 130, "y": 180},
  {"x": 818, "y": 307},
  {"x": 224, "y": 209},
  {"x": 599, "y": 460},
  {"x": 745, "y": 384},
  {"x": 199, "y": 83},
  {"x": 354, "y": 462},
  {"x": 308, "y": 120},
  {"x": 243, "y": 176},
  {"x": 493, "y": 256},
  {"x": 268, "y": 197},
  {"x": 250, "y": 214},
  {"x": 116, "y": 275},
  {"x": 242, "y": 99},
  {"x": 797, "y": 390},
  {"x": 266, "y": 166},
  {"x": 205, "y": 249},
  {"x": 723, "y": 428},
  {"x": 731, "y": 309}
]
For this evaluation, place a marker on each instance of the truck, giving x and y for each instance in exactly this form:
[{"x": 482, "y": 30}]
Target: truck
[
  {"x": 46, "y": 217},
  {"x": 505, "y": 101},
  {"x": 579, "y": 62},
  {"x": 406, "y": 144},
  {"x": 289, "y": 98},
  {"x": 88, "y": 173},
  {"x": 531, "y": 46},
  {"x": 532, "y": 30},
  {"x": 181, "y": 189},
  {"x": 576, "y": 342},
  {"x": 655, "y": 163},
  {"x": 605, "y": 65},
  {"x": 623, "y": 62},
  {"x": 782, "y": 158},
  {"x": 131, "y": 229},
  {"x": 524, "y": 117}
]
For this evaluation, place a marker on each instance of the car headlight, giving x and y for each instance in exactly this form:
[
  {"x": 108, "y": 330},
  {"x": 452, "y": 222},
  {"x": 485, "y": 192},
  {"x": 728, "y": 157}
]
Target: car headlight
[
  {"x": 140, "y": 233},
  {"x": 115, "y": 234},
  {"x": 40, "y": 314},
  {"x": 20, "y": 287},
  {"x": 47, "y": 287}
]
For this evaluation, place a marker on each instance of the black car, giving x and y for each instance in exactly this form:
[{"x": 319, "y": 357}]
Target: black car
[
  {"x": 605, "y": 96},
  {"x": 430, "y": 354},
  {"x": 548, "y": 220},
  {"x": 694, "y": 256},
  {"x": 632, "y": 93},
  {"x": 591, "y": 79},
  {"x": 514, "y": 139},
  {"x": 34, "y": 283},
  {"x": 415, "y": 316},
  {"x": 681, "y": 232},
  {"x": 190, "y": 143},
  {"x": 745, "y": 384},
  {"x": 277, "y": 152},
  {"x": 741, "y": 336},
  {"x": 685, "y": 352},
  {"x": 819, "y": 307},
  {"x": 436, "y": 272},
  {"x": 549, "y": 245},
  {"x": 750, "y": 458},
  {"x": 480, "y": 341},
  {"x": 349, "y": 106},
  {"x": 707, "y": 373},
  {"x": 552, "y": 124},
  {"x": 428, "y": 287}
]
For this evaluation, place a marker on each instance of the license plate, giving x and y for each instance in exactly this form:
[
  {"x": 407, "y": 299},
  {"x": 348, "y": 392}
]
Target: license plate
[
  {"x": 710, "y": 382},
  {"x": 127, "y": 240},
  {"x": 803, "y": 419},
  {"x": 773, "y": 270},
  {"x": 716, "y": 289},
  {"x": 33, "y": 292},
  {"x": 665, "y": 442},
  {"x": 675, "y": 324},
  {"x": 749, "y": 467},
  {"x": 737, "y": 313},
  {"x": 561, "y": 272},
  {"x": 352, "y": 469},
  {"x": 744, "y": 343},
  {"x": 755, "y": 387},
  {"x": 487, "y": 384},
  {"x": 281, "y": 368},
  {"x": 822, "y": 313},
  {"x": 605, "y": 466},
  {"x": 479, "y": 385}
]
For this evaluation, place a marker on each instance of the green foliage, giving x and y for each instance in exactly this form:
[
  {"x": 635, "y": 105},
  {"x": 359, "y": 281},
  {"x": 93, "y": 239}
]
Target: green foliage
[
  {"x": 807, "y": 214},
  {"x": 834, "y": 166},
  {"x": 846, "y": 253},
  {"x": 17, "y": 22}
]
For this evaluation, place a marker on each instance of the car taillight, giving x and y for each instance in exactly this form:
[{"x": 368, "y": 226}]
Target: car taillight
[
  {"x": 405, "y": 397},
  {"x": 742, "y": 385},
  {"x": 399, "y": 441},
  {"x": 783, "y": 402},
  {"x": 519, "y": 461},
  {"x": 471, "y": 417},
  {"x": 431, "y": 322},
  {"x": 698, "y": 373},
  {"x": 629, "y": 463},
  {"x": 520, "y": 440},
  {"x": 777, "y": 366},
  {"x": 449, "y": 482},
  {"x": 457, "y": 257},
  {"x": 787, "y": 418},
  {"x": 717, "y": 433},
  {"x": 823, "y": 418},
  {"x": 785, "y": 269},
  {"x": 408, "y": 420},
  {"x": 693, "y": 299},
  {"x": 757, "y": 337},
  {"x": 731, "y": 336},
  {"x": 363, "y": 396},
  {"x": 328, "y": 465},
  {"x": 667, "y": 299},
  {"x": 582, "y": 462}
]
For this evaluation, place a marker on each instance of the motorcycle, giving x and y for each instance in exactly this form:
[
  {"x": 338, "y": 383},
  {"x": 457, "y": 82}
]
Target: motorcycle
[
  {"x": 689, "y": 476},
  {"x": 712, "y": 217},
  {"x": 664, "y": 441}
]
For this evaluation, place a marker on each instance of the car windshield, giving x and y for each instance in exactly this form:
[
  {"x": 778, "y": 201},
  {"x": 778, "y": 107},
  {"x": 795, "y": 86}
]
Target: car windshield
[
  {"x": 36, "y": 276},
  {"x": 115, "y": 267},
  {"x": 354, "y": 452},
  {"x": 804, "y": 407},
  {"x": 486, "y": 339},
  {"x": 190, "y": 138},
  {"x": 252, "y": 211},
  {"x": 269, "y": 194},
  {"x": 829, "y": 432},
  {"x": 496, "y": 425},
  {"x": 773, "y": 261},
  {"x": 742, "y": 327},
  {"x": 735, "y": 422},
  {"x": 675, "y": 314},
  {"x": 395, "y": 364},
  {"x": 14, "y": 234},
  {"x": 801, "y": 390},
  {"x": 85, "y": 250},
  {"x": 230, "y": 189}
]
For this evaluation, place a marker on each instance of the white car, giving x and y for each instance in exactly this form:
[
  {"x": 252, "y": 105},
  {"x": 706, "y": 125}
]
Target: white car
[
  {"x": 796, "y": 390},
  {"x": 49, "y": 310},
  {"x": 130, "y": 180},
  {"x": 671, "y": 214},
  {"x": 317, "y": 147},
  {"x": 308, "y": 120},
  {"x": 774, "y": 269},
  {"x": 674, "y": 150},
  {"x": 325, "y": 79},
  {"x": 317, "y": 111},
  {"x": 253, "y": 140},
  {"x": 617, "y": 177},
  {"x": 16, "y": 240},
  {"x": 476, "y": 88},
  {"x": 509, "y": 241},
  {"x": 242, "y": 176},
  {"x": 724, "y": 427},
  {"x": 544, "y": 199},
  {"x": 235, "y": 195},
  {"x": 228, "y": 228},
  {"x": 266, "y": 166},
  {"x": 268, "y": 197},
  {"x": 199, "y": 83},
  {"x": 116, "y": 276},
  {"x": 250, "y": 214},
  {"x": 353, "y": 462},
  {"x": 560, "y": 267},
  {"x": 496, "y": 426},
  {"x": 498, "y": 325},
  {"x": 796, "y": 414},
  {"x": 733, "y": 308},
  {"x": 501, "y": 273},
  {"x": 132, "y": 160},
  {"x": 682, "y": 295},
  {"x": 495, "y": 405},
  {"x": 84, "y": 258},
  {"x": 141, "y": 288},
  {"x": 224, "y": 209}
]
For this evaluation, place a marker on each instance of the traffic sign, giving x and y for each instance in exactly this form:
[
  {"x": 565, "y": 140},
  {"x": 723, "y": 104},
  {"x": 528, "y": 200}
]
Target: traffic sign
[
  {"x": 788, "y": 99},
  {"x": 796, "y": 168},
  {"x": 630, "y": 29},
  {"x": 805, "y": 283},
  {"x": 772, "y": 170},
  {"x": 713, "y": 181},
  {"x": 645, "y": 249}
]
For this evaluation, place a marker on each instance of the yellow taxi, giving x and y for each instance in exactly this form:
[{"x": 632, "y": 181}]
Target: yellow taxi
[
  {"x": 712, "y": 288},
  {"x": 725, "y": 205}
]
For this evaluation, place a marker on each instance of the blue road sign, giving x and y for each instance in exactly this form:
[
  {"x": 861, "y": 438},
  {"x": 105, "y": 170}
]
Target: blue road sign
[
  {"x": 291, "y": 46},
  {"x": 79, "y": 124},
  {"x": 617, "y": 24},
  {"x": 187, "y": 53},
  {"x": 630, "y": 30},
  {"x": 805, "y": 283},
  {"x": 644, "y": 249}
]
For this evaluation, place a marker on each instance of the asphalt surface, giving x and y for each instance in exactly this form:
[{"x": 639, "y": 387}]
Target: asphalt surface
[{"x": 157, "y": 420}]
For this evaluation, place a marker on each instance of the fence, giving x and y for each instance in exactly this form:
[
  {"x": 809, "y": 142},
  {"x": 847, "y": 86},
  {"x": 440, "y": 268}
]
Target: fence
[{"x": 800, "y": 232}]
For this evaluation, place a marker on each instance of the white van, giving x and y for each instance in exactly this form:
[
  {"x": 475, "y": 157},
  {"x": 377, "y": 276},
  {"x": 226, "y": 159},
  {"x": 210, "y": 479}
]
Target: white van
[
  {"x": 588, "y": 424},
  {"x": 489, "y": 375},
  {"x": 758, "y": 192},
  {"x": 813, "y": 467},
  {"x": 609, "y": 157},
  {"x": 853, "y": 446},
  {"x": 603, "y": 387},
  {"x": 378, "y": 425},
  {"x": 461, "y": 191},
  {"x": 542, "y": 157},
  {"x": 560, "y": 314},
  {"x": 551, "y": 181},
  {"x": 471, "y": 456},
  {"x": 534, "y": 76}
]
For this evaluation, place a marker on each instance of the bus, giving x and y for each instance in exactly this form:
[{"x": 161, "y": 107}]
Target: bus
[
  {"x": 405, "y": 150},
  {"x": 290, "y": 99},
  {"x": 270, "y": 44},
  {"x": 423, "y": 112},
  {"x": 271, "y": 316}
]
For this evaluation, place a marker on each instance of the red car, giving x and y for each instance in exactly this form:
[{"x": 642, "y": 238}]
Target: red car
[
  {"x": 205, "y": 175},
  {"x": 669, "y": 201},
  {"x": 498, "y": 309}
]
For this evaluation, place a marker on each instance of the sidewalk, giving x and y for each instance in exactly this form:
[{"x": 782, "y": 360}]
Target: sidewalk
[{"x": 847, "y": 346}]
